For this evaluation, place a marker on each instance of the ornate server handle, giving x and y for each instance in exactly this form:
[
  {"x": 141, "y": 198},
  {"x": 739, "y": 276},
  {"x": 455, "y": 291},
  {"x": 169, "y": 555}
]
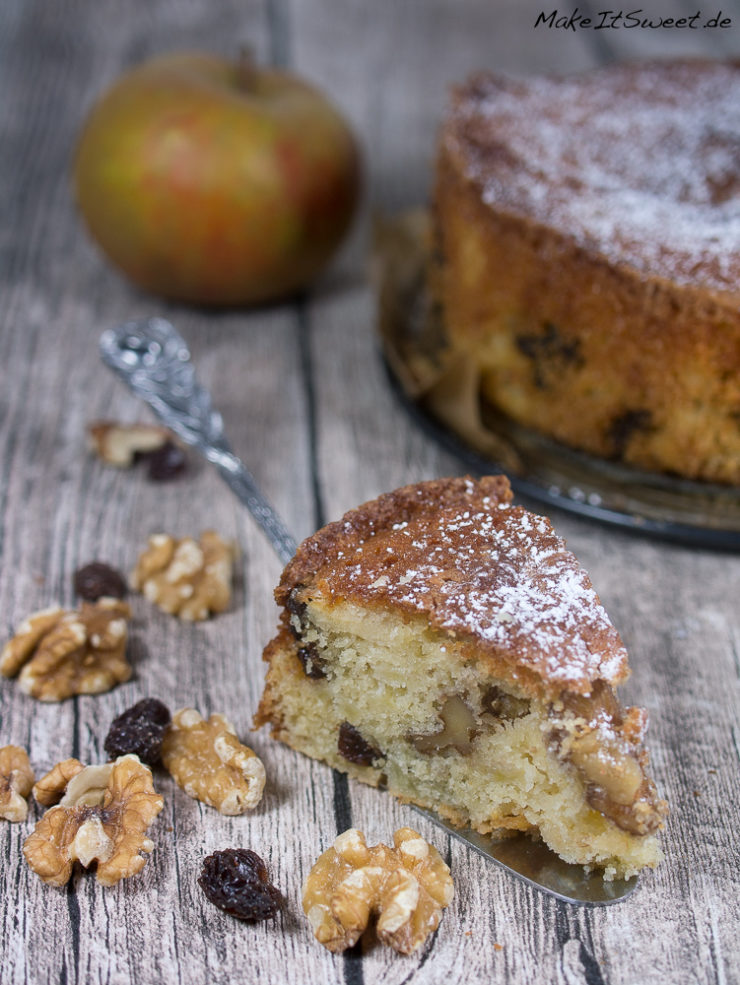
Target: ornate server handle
[{"x": 152, "y": 359}]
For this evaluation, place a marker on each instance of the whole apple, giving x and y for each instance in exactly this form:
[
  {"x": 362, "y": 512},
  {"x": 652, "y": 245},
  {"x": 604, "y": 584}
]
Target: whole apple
[{"x": 215, "y": 181}]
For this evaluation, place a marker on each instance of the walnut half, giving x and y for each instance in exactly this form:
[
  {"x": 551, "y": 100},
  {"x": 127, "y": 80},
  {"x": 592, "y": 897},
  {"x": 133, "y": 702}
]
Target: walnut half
[
  {"x": 119, "y": 444},
  {"x": 207, "y": 760},
  {"x": 61, "y": 653},
  {"x": 102, "y": 817},
  {"x": 16, "y": 780},
  {"x": 405, "y": 887},
  {"x": 187, "y": 578}
]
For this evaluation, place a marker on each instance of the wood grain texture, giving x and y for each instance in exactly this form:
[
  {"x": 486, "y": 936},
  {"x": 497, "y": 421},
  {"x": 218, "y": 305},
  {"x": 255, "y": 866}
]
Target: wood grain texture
[{"x": 307, "y": 404}]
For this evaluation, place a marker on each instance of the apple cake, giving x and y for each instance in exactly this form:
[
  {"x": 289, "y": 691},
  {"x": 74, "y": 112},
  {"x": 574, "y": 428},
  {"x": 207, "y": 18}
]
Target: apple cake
[
  {"x": 587, "y": 234},
  {"x": 443, "y": 643}
]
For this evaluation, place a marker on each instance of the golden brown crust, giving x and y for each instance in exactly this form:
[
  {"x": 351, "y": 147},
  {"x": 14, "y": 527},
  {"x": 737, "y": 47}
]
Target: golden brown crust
[
  {"x": 268, "y": 710},
  {"x": 614, "y": 329},
  {"x": 636, "y": 162},
  {"x": 493, "y": 578}
]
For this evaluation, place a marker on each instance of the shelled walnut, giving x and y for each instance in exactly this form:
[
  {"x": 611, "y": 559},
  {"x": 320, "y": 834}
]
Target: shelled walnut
[
  {"x": 49, "y": 790},
  {"x": 207, "y": 760},
  {"x": 102, "y": 817},
  {"x": 406, "y": 887},
  {"x": 16, "y": 781},
  {"x": 60, "y": 653},
  {"x": 186, "y": 578},
  {"x": 119, "y": 444}
]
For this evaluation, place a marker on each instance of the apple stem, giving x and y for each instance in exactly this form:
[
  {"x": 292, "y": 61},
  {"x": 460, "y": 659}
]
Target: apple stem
[{"x": 246, "y": 68}]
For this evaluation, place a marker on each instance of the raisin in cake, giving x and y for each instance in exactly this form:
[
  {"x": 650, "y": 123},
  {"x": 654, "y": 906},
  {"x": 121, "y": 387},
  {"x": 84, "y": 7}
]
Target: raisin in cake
[
  {"x": 444, "y": 643},
  {"x": 588, "y": 231}
]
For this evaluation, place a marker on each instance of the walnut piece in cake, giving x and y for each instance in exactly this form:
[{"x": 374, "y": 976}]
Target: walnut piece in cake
[
  {"x": 187, "y": 578},
  {"x": 207, "y": 760},
  {"x": 16, "y": 781},
  {"x": 102, "y": 818},
  {"x": 60, "y": 653},
  {"x": 605, "y": 744},
  {"x": 405, "y": 887}
]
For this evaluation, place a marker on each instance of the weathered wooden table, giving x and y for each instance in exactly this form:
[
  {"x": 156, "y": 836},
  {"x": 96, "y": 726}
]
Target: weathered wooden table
[{"x": 307, "y": 404}]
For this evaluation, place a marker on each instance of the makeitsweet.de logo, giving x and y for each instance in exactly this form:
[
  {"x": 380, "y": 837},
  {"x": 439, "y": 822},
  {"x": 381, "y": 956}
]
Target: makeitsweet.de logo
[{"x": 617, "y": 19}]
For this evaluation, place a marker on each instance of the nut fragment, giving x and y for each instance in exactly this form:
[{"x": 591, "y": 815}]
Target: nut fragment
[
  {"x": 62, "y": 653},
  {"x": 604, "y": 742},
  {"x": 119, "y": 444},
  {"x": 207, "y": 760},
  {"x": 406, "y": 887},
  {"x": 458, "y": 730},
  {"x": 502, "y": 706},
  {"x": 50, "y": 788},
  {"x": 186, "y": 578},
  {"x": 103, "y": 818},
  {"x": 16, "y": 780}
]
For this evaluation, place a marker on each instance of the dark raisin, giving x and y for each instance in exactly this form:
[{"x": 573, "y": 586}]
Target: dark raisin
[
  {"x": 313, "y": 665},
  {"x": 96, "y": 579},
  {"x": 294, "y": 606},
  {"x": 624, "y": 426},
  {"x": 354, "y": 748},
  {"x": 236, "y": 880},
  {"x": 166, "y": 462},
  {"x": 550, "y": 353},
  {"x": 139, "y": 730}
]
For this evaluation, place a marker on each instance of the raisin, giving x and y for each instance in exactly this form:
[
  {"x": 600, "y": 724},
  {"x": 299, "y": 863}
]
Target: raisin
[
  {"x": 236, "y": 880},
  {"x": 139, "y": 730},
  {"x": 97, "y": 579},
  {"x": 550, "y": 353},
  {"x": 294, "y": 606},
  {"x": 166, "y": 462},
  {"x": 624, "y": 426},
  {"x": 313, "y": 665},
  {"x": 354, "y": 748}
]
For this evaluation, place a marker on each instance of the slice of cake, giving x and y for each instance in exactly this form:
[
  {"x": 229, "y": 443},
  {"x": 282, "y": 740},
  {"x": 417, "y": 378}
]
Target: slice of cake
[
  {"x": 444, "y": 643},
  {"x": 588, "y": 238}
]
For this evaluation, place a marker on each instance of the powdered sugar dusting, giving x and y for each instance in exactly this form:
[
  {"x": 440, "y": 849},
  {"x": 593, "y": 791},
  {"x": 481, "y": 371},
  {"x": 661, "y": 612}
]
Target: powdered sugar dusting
[
  {"x": 640, "y": 163},
  {"x": 501, "y": 576}
]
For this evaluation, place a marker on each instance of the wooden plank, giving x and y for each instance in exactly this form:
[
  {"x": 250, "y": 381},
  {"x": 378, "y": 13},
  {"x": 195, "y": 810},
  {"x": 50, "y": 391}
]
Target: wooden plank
[{"x": 306, "y": 403}]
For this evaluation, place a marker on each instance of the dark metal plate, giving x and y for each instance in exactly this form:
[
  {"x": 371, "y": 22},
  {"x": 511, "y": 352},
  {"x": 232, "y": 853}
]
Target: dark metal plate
[{"x": 414, "y": 345}]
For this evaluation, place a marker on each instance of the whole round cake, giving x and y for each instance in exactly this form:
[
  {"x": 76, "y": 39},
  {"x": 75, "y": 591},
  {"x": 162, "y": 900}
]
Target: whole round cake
[{"x": 588, "y": 258}]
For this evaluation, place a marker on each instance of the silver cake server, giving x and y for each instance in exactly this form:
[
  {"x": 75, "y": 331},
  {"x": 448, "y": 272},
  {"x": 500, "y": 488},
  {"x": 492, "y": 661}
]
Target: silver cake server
[{"x": 152, "y": 359}]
